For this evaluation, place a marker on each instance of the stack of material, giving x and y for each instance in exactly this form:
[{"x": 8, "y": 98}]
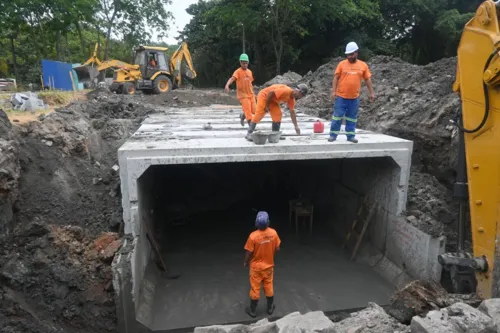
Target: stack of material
[{"x": 27, "y": 102}]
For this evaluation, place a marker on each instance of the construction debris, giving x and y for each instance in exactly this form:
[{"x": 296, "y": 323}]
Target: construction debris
[
  {"x": 373, "y": 319},
  {"x": 491, "y": 307},
  {"x": 417, "y": 298},
  {"x": 459, "y": 317},
  {"x": 27, "y": 102},
  {"x": 294, "y": 322}
]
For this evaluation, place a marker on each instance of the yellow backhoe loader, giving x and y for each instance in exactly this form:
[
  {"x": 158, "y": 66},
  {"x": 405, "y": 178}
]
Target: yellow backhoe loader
[
  {"x": 152, "y": 71},
  {"x": 477, "y": 184}
]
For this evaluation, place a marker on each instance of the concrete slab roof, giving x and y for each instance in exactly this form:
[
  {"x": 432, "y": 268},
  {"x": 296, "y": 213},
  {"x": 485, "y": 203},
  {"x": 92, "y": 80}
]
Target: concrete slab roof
[{"x": 183, "y": 131}]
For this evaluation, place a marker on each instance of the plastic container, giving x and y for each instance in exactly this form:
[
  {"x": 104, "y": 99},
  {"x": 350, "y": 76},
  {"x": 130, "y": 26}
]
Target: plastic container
[
  {"x": 259, "y": 138},
  {"x": 319, "y": 127},
  {"x": 274, "y": 137}
]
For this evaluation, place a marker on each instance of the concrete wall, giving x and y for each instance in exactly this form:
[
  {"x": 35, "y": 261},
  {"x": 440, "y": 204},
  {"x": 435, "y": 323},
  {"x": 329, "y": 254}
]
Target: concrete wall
[
  {"x": 396, "y": 249},
  {"x": 377, "y": 179},
  {"x": 141, "y": 254}
]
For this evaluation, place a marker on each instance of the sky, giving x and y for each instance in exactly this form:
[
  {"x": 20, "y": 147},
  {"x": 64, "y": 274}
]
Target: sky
[{"x": 178, "y": 9}]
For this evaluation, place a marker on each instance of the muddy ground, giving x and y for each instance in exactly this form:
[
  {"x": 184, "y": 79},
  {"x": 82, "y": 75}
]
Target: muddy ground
[{"x": 60, "y": 208}]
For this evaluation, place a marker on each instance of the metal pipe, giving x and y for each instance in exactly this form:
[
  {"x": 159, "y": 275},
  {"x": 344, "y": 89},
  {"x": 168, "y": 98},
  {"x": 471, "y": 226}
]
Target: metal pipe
[{"x": 461, "y": 228}]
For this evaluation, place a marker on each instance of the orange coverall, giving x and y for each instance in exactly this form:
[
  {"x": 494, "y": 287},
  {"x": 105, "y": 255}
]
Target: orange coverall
[
  {"x": 263, "y": 244},
  {"x": 282, "y": 93},
  {"x": 244, "y": 91}
]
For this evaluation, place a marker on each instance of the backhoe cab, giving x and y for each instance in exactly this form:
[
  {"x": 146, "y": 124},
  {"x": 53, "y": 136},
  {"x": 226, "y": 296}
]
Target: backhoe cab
[{"x": 153, "y": 71}]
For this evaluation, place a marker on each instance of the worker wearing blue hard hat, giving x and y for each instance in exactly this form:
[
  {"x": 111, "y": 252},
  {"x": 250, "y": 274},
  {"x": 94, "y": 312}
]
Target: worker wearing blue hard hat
[{"x": 261, "y": 247}]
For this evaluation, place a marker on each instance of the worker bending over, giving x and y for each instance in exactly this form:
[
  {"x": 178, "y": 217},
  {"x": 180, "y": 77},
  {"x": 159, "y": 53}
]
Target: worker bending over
[
  {"x": 345, "y": 92},
  {"x": 260, "y": 248},
  {"x": 269, "y": 99},
  {"x": 244, "y": 89}
]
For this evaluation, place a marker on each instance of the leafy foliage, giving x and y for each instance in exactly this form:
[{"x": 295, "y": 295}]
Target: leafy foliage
[{"x": 278, "y": 35}]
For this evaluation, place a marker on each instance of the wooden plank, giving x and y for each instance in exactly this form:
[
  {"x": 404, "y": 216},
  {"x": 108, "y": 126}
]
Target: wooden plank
[
  {"x": 354, "y": 224},
  {"x": 365, "y": 226},
  {"x": 154, "y": 245}
]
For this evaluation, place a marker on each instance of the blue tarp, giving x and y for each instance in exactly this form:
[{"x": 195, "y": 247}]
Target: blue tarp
[{"x": 58, "y": 72}]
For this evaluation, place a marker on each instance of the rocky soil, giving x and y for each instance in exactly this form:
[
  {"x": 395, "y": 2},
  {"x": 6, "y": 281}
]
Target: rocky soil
[{"x": 458, "y": 317}]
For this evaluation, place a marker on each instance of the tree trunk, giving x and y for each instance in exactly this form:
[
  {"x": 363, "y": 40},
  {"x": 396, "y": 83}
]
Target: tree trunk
[
  {"x": 14, "y": 57},
  {"x": 58, "y": 45},
  {"x": 280, "y": 55},
  {"x": 99, "y": 55},
  {"x": 108, "y": 37},
  {"x": 67, "y": 53},
  {"x": 82, "y": 41}
]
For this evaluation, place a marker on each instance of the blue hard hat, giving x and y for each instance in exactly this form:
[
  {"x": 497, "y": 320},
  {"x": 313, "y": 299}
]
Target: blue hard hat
[{"x": 262, "y": 220}]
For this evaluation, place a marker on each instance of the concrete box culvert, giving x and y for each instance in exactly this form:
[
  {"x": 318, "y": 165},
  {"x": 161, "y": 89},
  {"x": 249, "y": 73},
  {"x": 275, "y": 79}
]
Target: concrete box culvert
[{"x": 198, "y": 190}]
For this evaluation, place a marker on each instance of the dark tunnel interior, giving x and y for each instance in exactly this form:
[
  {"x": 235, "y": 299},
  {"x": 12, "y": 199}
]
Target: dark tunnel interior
[{"x": 202, "y": 214}]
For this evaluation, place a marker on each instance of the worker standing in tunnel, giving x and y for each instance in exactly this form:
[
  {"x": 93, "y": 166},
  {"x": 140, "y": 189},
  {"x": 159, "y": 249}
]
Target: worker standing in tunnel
[
  {"x": 244, "y": 89},
  {"x": 261, "y": 247},
  {"x": 269, "y": 99}
]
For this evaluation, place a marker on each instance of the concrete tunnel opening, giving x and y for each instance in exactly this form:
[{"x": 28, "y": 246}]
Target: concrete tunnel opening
[{"x": 201, "y": 214}]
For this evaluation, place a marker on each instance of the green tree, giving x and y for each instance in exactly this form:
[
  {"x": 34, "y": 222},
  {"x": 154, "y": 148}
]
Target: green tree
[{"x": 133, "y": 18}]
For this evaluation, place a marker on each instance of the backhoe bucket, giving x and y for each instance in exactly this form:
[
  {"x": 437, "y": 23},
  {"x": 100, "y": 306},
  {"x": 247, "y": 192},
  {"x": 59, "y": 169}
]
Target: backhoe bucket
[
  {"x": 189, "y": 74},
  {"x": 86, "y": 73}
]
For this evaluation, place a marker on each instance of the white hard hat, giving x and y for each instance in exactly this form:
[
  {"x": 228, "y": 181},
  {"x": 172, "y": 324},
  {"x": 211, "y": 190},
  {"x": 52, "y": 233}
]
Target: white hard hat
[{"x": 351, "y": 47}]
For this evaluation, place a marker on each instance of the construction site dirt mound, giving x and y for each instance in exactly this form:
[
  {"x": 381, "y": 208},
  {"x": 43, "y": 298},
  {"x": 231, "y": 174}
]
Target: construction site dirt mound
[
  {"x": 62, "y": 214},
  {"x": 413, "y": 102},
  {"x": 58, "y": 279},
  {"x": 289, "y": 78}
]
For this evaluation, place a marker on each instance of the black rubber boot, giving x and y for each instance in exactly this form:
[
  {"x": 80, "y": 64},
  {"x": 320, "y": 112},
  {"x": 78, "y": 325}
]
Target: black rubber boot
[
  {"x": 353, "y": 140},
  {"x": 276, "y": 127},
  {"x": 251, "y": 128},
  {"x": 252, "y": 309},
  {"x": 270, "y": 305},
  {"x": 242, "y": 119},
  {"x": 331, "y": 139}
]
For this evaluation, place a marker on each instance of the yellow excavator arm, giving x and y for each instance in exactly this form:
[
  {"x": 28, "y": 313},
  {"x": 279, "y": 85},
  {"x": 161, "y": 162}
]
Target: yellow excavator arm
[
  {"x": 181, "y": 53},
  {"x": 93, "y": 66},
  {"x": 478, "y": 173}
]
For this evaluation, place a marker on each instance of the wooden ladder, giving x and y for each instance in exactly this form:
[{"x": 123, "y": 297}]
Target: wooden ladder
[{"x": 359, "y": 217}]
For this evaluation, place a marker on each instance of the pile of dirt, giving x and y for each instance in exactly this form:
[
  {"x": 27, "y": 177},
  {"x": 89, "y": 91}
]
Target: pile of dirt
[
  {"x": 9, "y": 172},
  {"x": 288, "y": 78},
  {"x": 413, "y": 102},
  {"x": 60, "y": 214},
  {"x": 57, "y": 279}
]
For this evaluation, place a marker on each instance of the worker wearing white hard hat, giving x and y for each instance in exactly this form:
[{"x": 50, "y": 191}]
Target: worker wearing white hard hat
[
  {"x": 345, "y": 92},
  {"x": 351, "y": 47}
]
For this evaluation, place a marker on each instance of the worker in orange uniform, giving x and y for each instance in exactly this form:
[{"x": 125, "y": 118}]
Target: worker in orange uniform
[
  {"x": 269, "y": 99},
  {"x": 345, "y": 92},
  {"x": 244, "y": 89},
  {"x": 260, "y": 248}
]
